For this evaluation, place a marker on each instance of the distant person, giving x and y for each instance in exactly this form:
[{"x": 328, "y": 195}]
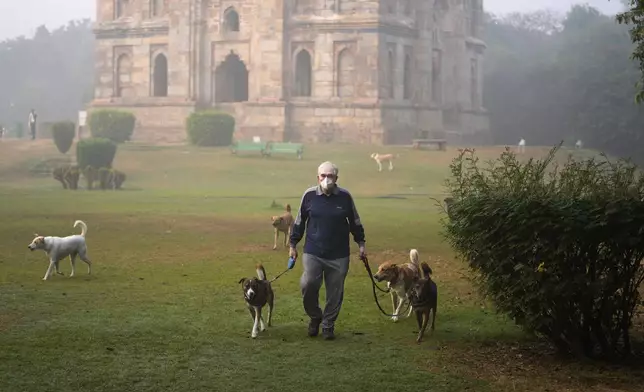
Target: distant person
[
  {"x": 522, "y": 146},
  {"x": 579, "y": 145},
  {"x": 2, "y": 131},
  {"x": 33, "y": 118}
]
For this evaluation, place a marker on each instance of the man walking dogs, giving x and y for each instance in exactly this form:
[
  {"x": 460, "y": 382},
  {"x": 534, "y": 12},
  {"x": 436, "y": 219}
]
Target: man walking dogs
[{"x": 328, "y": 215}]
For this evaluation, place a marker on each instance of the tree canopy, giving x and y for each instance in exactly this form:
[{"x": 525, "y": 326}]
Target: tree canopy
[{"x": 551, "y": 78}]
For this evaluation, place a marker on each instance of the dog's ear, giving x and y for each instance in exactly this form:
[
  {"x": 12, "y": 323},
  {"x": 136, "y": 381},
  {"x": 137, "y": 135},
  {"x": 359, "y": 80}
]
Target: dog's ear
[
  {"x": 242, "y": 280},
  {"x": 36, "y": 235}
]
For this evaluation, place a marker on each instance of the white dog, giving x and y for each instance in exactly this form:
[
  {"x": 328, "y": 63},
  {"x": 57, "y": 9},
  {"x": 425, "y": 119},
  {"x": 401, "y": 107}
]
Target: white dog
[
  {"x": 380, "y": 158},
  {"x": 57, "y": 248}
]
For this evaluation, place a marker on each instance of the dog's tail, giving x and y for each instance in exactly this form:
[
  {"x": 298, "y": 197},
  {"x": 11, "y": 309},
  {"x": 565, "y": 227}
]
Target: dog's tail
[
  {"x": 83, "y": 227},
  {"x": 261, "y": 272},
  {"x": 413, "y": 257},
  {"x": 288, "y": 208}
]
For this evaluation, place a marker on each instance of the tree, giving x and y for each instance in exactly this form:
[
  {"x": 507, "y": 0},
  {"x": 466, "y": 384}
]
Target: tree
[
  {"x": 53, "y": 72},
  {"x": 634, "y": 15},
  {"x": 573, "y": 83}
]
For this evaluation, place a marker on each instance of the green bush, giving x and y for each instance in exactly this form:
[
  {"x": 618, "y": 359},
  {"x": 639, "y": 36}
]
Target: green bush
[
  {"x": 96, "y": 152},
  {"x": 116, "y": 125},
  {"x": 558, "y": 249},
  {"x": 63, "y": 134},
  {"x": 210, "y": 128}
]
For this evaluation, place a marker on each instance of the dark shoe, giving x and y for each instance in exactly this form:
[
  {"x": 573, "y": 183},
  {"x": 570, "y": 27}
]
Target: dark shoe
[
  {"x": 327, "y": 334},
  {"x": 314, "y": 327}
]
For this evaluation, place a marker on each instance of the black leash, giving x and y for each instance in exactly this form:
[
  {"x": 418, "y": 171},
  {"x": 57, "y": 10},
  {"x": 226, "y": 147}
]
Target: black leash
[
  {"x": 275, "y": 278},
  {"x": 365, "y": 261}
]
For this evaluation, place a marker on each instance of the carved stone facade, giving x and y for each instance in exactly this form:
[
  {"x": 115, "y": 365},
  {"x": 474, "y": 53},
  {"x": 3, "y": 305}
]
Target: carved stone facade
[{"x": 362, "y": 71}]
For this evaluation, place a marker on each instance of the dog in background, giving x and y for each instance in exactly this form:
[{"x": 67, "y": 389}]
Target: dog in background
[
  {"x": 57, "y": 248},
  {"x": 380, "y": 158},
  {"x": 282, "y": 223},
  {"x": 257, "y": 294},
  {"x": 424, "y": 300},
  {"x": 400, "y": 280}
]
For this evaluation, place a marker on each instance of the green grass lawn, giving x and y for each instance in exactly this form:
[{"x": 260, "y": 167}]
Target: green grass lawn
[{"x": 163, "y": 311}]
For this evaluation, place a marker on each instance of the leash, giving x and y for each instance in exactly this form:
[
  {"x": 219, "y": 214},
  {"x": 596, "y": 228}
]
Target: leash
[
  {"x": 291, "y": 264},
  {"x": 277, "y": 277},
  {"x": 365, "y": 261}
]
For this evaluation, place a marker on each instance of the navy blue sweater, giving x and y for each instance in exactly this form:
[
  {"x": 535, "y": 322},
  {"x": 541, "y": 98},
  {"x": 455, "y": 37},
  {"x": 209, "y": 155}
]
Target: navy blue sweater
[{"x": 327, "y": 220}]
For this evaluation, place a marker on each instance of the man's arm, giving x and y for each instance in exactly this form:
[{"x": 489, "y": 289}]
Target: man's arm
[
  {"x": 355, "y": 226},
  {"x": 299, "y": 225}
]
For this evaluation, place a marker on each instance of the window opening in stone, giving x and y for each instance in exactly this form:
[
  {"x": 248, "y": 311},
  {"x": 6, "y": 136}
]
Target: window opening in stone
[
  {"x": 231, "y": 80},
  {"x": 303, "y": 74},
  {"x": 346, "y": 74},
  {"x": 407, "y": 88},
  {"x": 160, "y": 75},
  {"x": 231, "y": 20}
]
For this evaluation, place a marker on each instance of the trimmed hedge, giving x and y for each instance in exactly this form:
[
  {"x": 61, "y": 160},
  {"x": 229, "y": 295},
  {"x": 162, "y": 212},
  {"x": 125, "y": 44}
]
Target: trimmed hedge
[
  {"x": 63, "y": 133},
  {"x": 210, "y": 128},
  {"x": 557, "y": 249},
  {"x": 95, "y": 152},
  {"x": 116, "y": 125}
]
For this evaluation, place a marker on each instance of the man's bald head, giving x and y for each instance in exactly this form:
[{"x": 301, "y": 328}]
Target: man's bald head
[{"x": 328, "y": 168}]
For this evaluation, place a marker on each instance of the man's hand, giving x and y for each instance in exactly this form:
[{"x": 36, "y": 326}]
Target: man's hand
[
  {"x": 292, "y": 254},
  {"x": 363, "y": 253}
]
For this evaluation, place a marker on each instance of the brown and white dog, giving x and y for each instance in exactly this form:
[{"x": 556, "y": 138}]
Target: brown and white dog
[
  {"x": 283, "y": 223},
  {"x": 380, "y": 158},
  {"x": 424, "y": 300},
  {"x": 257, "y": 294},
  {"x": 57, "y": 248},
  {"x": 400, "y": 280}
]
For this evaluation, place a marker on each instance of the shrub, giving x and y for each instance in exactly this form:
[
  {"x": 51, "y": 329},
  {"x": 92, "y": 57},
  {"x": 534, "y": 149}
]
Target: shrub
[
  {"x": 116, "y": 125},
  {"x": 67, "y": 175},
  {"x": 96, "y": 152},
  {"x": 558, "y": 249},
  {"x": 210, "y": 128},
  {"x": 63, "y": 134},
  {"x": 110, "y": 178},
  {"x": 91, "y": 175}
]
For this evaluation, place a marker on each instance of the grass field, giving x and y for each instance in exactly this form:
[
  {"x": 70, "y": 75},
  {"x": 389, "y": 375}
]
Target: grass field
[{"x": 162, "y": 310}]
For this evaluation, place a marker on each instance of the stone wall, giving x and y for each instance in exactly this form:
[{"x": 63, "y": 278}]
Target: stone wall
[{"x": 349, "y": 48}]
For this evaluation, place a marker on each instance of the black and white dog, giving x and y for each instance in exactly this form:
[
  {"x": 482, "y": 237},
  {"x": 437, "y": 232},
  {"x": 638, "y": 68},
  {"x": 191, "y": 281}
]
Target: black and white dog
[{"x": 257, "y": 293}]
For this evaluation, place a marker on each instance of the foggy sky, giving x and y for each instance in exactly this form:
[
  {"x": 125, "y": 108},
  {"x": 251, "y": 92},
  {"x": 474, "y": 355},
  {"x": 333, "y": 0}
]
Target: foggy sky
[{"x": 24, "y": 16}]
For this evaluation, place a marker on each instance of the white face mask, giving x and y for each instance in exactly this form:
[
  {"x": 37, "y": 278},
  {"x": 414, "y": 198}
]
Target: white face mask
[{"x": 327, "y": 183}]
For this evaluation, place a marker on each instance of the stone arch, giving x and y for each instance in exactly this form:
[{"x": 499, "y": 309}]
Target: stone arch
[
  {"x": 231, "y": 80},
  {"x": 123, "y": 76},
  {"x": 391, "y": 72},
  {"x": 407, "y": 80},
  {"x": 231, "y": 20},
  {"x": 160, "y": 76},
  {"x": 345, "y": 68},
  {"x": 303, "y": 84}
]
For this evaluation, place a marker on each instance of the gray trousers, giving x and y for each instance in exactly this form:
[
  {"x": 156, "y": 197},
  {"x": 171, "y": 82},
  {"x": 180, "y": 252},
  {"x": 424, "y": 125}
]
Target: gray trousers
[{"x": 334, "y": 273}]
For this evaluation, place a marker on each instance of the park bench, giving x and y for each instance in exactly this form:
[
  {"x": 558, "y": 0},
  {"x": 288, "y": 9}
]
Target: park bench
[
  {"x": 285, "y": 148},
  {"x": 440, "y": 143},
  {"x": 248, "y": 146}
]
